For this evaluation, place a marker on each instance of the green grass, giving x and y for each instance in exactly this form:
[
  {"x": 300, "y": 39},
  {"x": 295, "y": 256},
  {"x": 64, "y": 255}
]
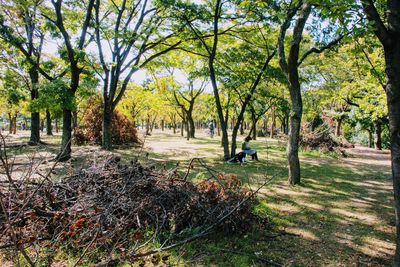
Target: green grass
[{"x": 340, "y": 215}]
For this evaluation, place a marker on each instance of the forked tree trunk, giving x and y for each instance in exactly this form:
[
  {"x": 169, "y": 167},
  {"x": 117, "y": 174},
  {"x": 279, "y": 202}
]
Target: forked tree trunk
[{"x": 290, "y": 67}]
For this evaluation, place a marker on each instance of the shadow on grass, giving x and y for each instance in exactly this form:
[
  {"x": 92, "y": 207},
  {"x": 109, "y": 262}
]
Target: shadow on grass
[{"x": 341, "y": 214}]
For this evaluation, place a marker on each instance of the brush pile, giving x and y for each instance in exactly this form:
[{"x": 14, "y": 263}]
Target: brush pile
[
  {"x": 323, "y": 141},
  {"x": 115, "y": 207}
]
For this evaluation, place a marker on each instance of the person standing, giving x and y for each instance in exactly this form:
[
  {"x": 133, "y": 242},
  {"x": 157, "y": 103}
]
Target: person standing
[{"x": 211, "y": 128}]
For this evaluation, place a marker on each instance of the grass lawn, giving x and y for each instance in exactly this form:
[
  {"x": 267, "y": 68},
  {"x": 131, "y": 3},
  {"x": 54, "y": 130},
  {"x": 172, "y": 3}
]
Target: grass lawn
[{"x": 341, "y": 214}]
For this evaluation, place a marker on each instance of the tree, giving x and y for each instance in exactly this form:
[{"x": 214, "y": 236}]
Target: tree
[
  {"x": 388, "y": 34},
  {"x": 73, "y": 54},
  {"x": 12, "y": 92},
  {"x": 290, "y": 67},
  {"x": 21, "y": 28},
  {"x": 137, "y": 32}
]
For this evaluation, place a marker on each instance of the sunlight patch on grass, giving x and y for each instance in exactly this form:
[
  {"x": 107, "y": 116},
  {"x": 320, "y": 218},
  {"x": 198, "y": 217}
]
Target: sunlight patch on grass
[
  {"x": 306, "y": 234},
  {"x": 376, "y": 247},
  {"x": 356, "y": 216}
]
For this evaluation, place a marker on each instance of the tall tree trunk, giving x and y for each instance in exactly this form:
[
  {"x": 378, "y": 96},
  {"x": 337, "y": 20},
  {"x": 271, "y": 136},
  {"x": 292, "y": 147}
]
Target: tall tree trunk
[
  {"x": 187, "y": 127},
  {"x": 182, "y": 127},
  {"x": 153, "y": 122},
  {"x": 15, "y": 124},
  {"x": 174, "y": 125},
  {"x": 213, "y": 52},
  {"x": 148, "y": 126},
  {"x": 74, "y": 119},
  {"x": 26, "y": 123},
  {"x": 377, "y": 135},
  {"x": 290, "y": 68},
  {"x": 56, "y": 122},
  {"x": 389, "y": 36},
  {"x": 242, "y": 128},
  {"x": 35, "y": 116},
  {"x": 338, "y": 130},
  {"x": 191, "y": 126},
  {"x": 218, "y": 128},
  {"x": 254, "y": 125},
  {"x": 65, "y": 152},
  {"x": 286, "y": 124},
  {"x": 392, "y": 58},
  {"x": 265, "y": 125},
  {"x": 293, "y": 142},
  {"x": 369, "y": 137},
  {"x": 49, "y": 130},
  {"x": 107, "y": 127},
  {"x": 273, "y": 123},
  {"x": 10, "y": 119},
  {"x": 162, "y": 125},
  {"x": 42, "y": 125}
]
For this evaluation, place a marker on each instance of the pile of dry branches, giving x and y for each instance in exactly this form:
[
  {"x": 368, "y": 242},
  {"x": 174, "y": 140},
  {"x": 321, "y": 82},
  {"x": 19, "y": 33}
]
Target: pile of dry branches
[
  {"x": 324, "y": 141},
  {"x": 118, "y": 209}
]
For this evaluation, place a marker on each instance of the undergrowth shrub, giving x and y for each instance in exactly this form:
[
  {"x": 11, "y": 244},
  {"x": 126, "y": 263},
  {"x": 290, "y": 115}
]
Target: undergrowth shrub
[{"x": 123, "y": 130}]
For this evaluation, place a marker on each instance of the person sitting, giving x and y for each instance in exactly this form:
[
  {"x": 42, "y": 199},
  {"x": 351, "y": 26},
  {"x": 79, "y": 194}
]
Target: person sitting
[{"x": 247, "y": 149}]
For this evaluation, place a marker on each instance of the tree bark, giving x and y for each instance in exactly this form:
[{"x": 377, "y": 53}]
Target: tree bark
[
  {"x": 254, "y": 125},
  {"x": 377, "y": 135},
  {"x": 107, "y": 127},
  {"x": 242, "y": 128},
  {"x": 338, "y": 130},
  {"x": 74, "y": 119},
  {"x": 14, "y": 124},
  {"x": 49, "y": 127},
  {"x": 389, "y": 36},
  {"x": 10, "y": 119},
  {"x": 182, "y": 127},
  {"x": 56, "y": 122},
  {"x": 42, "y": 125},
  {"x": 369, "y": 137},
  {"x": 392, "y": 57},
  {"x": 273, "y": 123},
  {"x": 35, "y": 116},
  {"x": 290, "y": 68},
  {"x": 65, "y": 152}
]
